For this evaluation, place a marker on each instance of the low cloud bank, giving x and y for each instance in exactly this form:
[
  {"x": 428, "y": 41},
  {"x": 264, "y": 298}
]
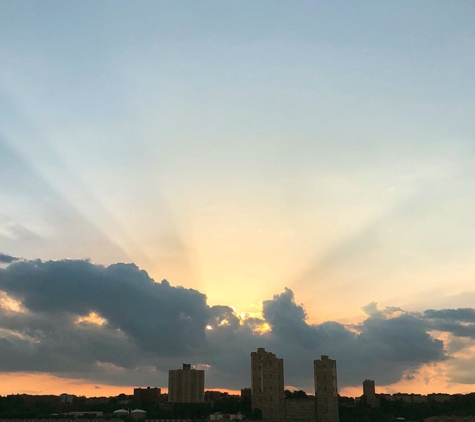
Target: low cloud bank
[{"x": 116, "y": 325}]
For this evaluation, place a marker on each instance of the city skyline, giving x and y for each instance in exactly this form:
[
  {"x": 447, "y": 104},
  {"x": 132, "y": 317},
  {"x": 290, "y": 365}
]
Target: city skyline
[{"x": 299, "y": 174}]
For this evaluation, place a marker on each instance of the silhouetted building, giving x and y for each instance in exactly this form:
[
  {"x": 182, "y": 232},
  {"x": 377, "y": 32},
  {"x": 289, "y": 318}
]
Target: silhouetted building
[
  {"x": 326, "y": 390},
  {"x": 226, "y": 417},
  {"x": 66, "y": 398},
  {"x": 186, "y": 385},
  {"x": 147, "y": 395},
  {"x": 369, "y": 393},
  {"x": 419, "y": 398},
  {"x": 405, "y": 397},
  {"x": 123, "y": 398},
  {"x": 302, "y": 409},
  {"x": 245, "y": 395},
  {"x": 438, "y": 397},
  {"x": 346, "y": 401},
  {"x": 211, "y": 396},
  {"x": 267, "y": 384}
]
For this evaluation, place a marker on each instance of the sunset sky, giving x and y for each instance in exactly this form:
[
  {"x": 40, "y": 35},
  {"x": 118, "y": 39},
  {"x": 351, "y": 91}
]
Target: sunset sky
[{"x": 302, "y": 173}]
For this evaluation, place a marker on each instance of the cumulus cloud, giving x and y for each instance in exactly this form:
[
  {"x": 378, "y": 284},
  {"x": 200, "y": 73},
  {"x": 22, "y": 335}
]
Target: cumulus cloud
[{"x": 114, "y": 324}]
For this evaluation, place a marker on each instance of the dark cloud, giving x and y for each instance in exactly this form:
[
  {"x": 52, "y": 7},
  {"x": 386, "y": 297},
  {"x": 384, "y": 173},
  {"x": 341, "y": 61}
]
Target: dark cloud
[
  {"x": 6, "y": 259},
  {"x": 460, "y": 322},
  {"x": 460, "y": 314},
  {"x": 159, "y": 318},
  {"x": 114, "y": 324},
  {"x": 385, "y": 345}
]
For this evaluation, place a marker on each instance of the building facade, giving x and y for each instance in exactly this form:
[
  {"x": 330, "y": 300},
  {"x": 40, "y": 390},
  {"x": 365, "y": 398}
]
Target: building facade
[
  {"x": 267, "y": 385},
  {"x": 186, "y": 385},
  {"x": 300, "y": 410},
  {"x": 326, "y": 389}
]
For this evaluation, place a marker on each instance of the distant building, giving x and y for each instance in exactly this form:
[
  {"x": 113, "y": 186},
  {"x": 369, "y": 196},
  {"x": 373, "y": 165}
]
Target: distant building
[
  {"x": 301, "y": 410},
  {"x": 245, "y": 395},
  {"x": 211, "y": 396},
  {"x": 147, "y": 395},
  {"x": 326, "y": 390},
  {"x": 84, "y": 414},
  {"x": 450, "y": 419},
  {"x": 66, "y": 398},
  {"x": 411, "y": 397},
  {"x": 438, "y": 397},
  {"x": 347, "y": 401},
  {"x": 226, "y": 417},
  {"x": 405, "y": 397},
  {"x": 419, "y": 398},
  {"x": 369, "y": 393},
  {"x": 267, "y": 385},
  {"x": 186, "y": 385}
]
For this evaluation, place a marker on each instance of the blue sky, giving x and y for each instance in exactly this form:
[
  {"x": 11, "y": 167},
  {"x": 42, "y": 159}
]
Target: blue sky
[{"x": 239, "y": 148}]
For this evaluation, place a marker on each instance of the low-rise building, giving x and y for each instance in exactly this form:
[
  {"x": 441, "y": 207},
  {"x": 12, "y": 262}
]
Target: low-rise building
[
  {"x": 303, "y": 410},
  {"x": 147, "y": 395},
  {"x": 450, "y": 419},
  {"x": 226, "y": 417},
  {"x": 438, "y": 397}
]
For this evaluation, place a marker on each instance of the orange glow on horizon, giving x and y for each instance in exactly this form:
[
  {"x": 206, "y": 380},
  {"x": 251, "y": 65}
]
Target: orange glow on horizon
[
  {"x": 45, "y": 384},
  {"x": 430, "y": 378}
]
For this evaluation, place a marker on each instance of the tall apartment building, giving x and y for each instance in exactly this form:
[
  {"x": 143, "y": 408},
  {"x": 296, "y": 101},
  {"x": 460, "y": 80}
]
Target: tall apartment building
[
  {"x": 368, "y": 389},
  {"x": 369, "y": 393},
  {"x": 326, "y": 390},
  {"x": 267, "y": 385},
  {"x": 186, "y": 385}
]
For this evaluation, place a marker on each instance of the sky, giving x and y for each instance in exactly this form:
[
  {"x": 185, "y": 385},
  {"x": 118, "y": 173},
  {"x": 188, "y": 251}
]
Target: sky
[{"x": 188, "y": 181}]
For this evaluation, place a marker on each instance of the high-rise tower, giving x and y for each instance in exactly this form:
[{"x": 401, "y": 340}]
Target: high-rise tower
[
  {"x": 267, "y": 384},
  {"x": 186, "y": 385},
  {"x": 370, "y": 394},
  {"x": 326, "y": 390}
]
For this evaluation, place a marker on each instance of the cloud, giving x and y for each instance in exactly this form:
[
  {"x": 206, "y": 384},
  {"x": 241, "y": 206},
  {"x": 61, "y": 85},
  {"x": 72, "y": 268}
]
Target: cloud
[
  {"x": 460, "y": 314},
  {"x": 157, "y": 317},
  {"x": 114, "y": 324},
  {"x": 460, "y": 322},
  {"x": 6, "y": 259}
]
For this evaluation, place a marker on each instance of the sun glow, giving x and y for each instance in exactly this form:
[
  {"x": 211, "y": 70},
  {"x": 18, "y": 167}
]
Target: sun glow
[
  {"x": 92, "y": 318},
  {"x": 10, "y": 304}
]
